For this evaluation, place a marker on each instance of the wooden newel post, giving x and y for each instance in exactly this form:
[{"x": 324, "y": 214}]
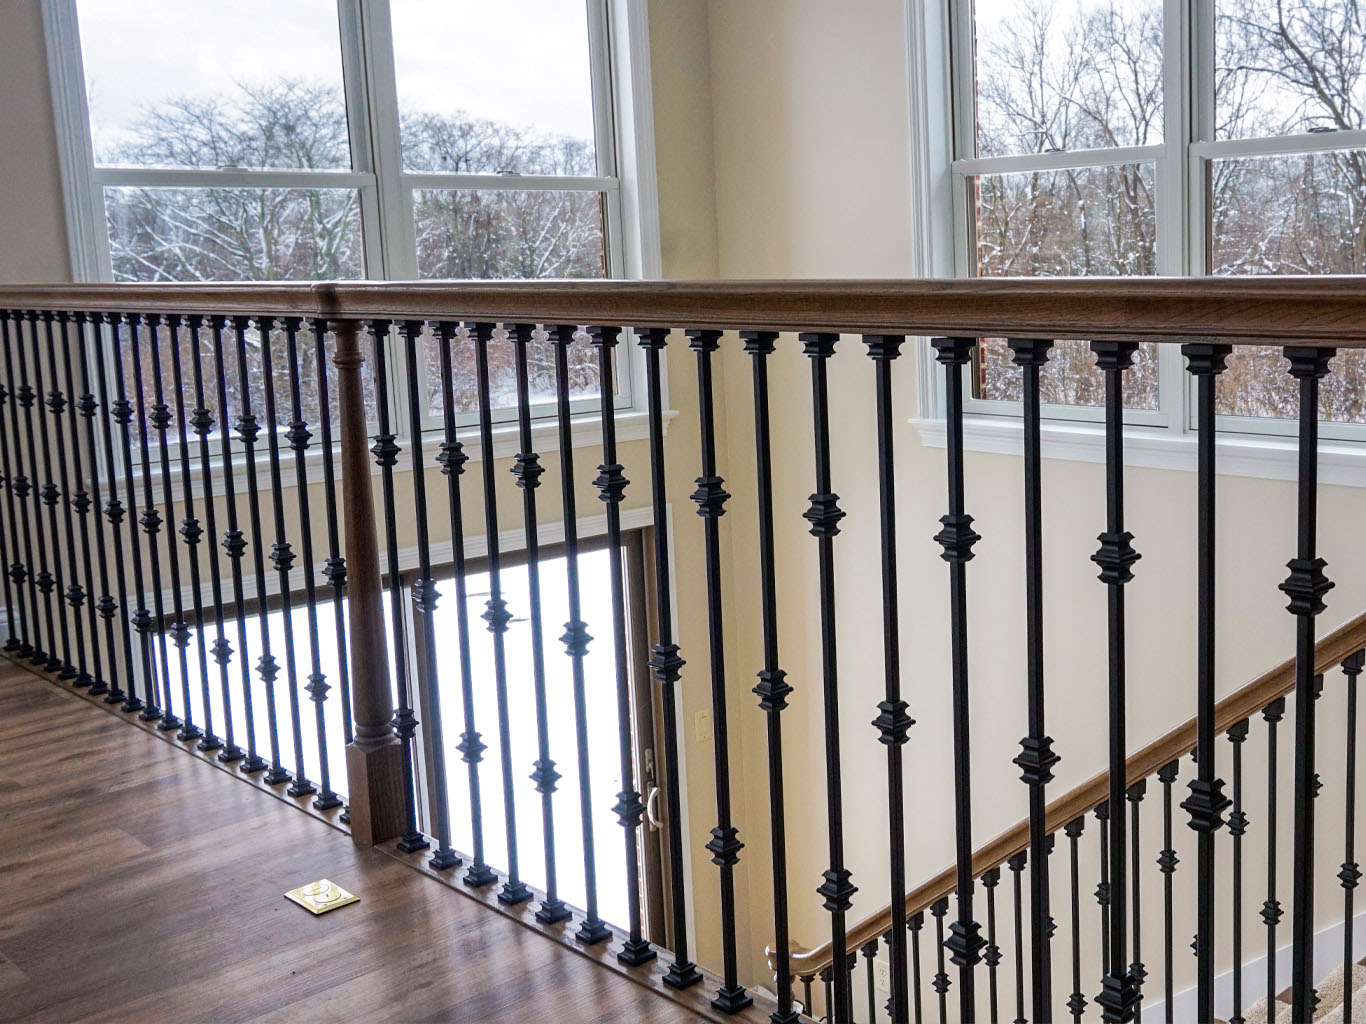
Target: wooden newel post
[{"x": 374, "y": 758}]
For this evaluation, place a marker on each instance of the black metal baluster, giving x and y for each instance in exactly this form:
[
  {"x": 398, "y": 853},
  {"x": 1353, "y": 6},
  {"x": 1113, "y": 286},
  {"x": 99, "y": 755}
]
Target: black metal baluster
[
  {"x": 826, "y": 976},
  {"x": 49, "y": 581},
  {"x": 773, "y": 688},
  {"x": 282, "y": 559},
  {"x": 104, "y": 607},
  {"x": 941, "y": 982},
  {"x": 1350, "y": 874},
  {"x": 1237, "y": 828},
  {"x": 233, "y": 542},
  {"x": 611, "y": 484},
  {"x": 52, "y": 495},
  {"x": 1017, "y": 866},
  {"x": 1271, "y": 909},
  {"x": 1103, "y": 888},
  {"x": 299, "y": 436},
  {"x": 1036, "y": 759},
  {"x": 191, "y": 531},
  {"x": 724, "y": 845},
  {"x": 496, "y": 613},
  {"x": 1305, "y": 586},
  {"x": 915, "y": 924},
  {"x": 1119, "y": 989},
  {"x": 386, "y": 454},
  {"x": 73, "y": 635},
  {"x": 957, "y": 538},
  {"x": 667, "y": 665},
  {"x": 824, "y": 515},
  {"x": 334, "y": 569},
  {"x": 869, "y": 950},
  {"x": 893, "y": 722},
  {"x": 151, "y": 522},
  {"x": 248, "y": 429},
  {"x": 180, "y": 630},
  {"x": 121, "y": 412},
  {"x": 1206, "y": 802},
  {"x": 83, "y": 404},
  {"x": 26, "y": 489},
  {"x": 576, "y": 639},
  {"x": 453, "y": 458},
  {"x": 11, "y": 621},
  {"x": 992, "y": 956},
  {"x": 1135, "y": 794},
  {"x": 14, "y": 569},
  {"x": 202, "y": 420},
  {"x": 1076, "y": 1003},
  {"x": 425, "y": 676},
  {"x": 527, "y": 469},
  {"x": 1166, "y": 862}
]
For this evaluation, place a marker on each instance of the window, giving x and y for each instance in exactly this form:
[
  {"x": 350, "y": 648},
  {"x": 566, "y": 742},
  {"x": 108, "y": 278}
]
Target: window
[
  {"x": 397, "y": 139},
  {"x": 1073, "y": 155}
]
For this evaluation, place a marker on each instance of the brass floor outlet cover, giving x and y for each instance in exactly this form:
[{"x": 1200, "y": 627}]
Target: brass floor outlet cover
[{"x": 321, "y": 896}]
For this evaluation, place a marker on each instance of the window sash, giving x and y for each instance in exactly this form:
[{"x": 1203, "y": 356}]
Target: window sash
[{"x": 1180, "y": 161}]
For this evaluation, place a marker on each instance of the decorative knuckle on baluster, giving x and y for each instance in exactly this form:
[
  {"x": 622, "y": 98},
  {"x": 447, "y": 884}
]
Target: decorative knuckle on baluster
[
  {"x": 385, "y": 451},
  {"x": 160, "y": 417},
  {"x": 471, "y": 747},
  {"x": 18, "y": 573},
  {"x": 824, "y": 515},
  {"x": 56, "y": 402},
  {"x": 1272, "y": 913},
  {"x": 405, "y": 723},
  {"x": 576, "y": 639},
  {"x": 21, "y": 486},
  {"x": 202, "y": 421},
  {"x": 221, "y": 651},
  {"x": 1167, "y": 861},
  {"x": 46, "y": 582},
  {"x": 142, "y": 620},
  {"x": 1306, "y": 585},
  {"x": 1036, "y": 760},
  {"x": 957, "y": 538},
  {"x": 75, "y": 595},
  {"x": 234, "y": 543},
  {"x": 80, "y": 503},
  {"x": 611, "y": 483},
  {"x": 113, "y": 511},
  {"x": 85, "y": 405},
  {"x": 527, "y": 468},
  {"x": 837, "y": 889},
  {"x": 334, "y": 571},
  {"x": 317, "y": 687},
  {"x": 965, "y": 943},
  {"x": 665, "y": 663},
  {"x": 545, "y": 776},
  {"x": 425, "y": 595},
  {"x": 772, "y": 690},
  {"x": 191, "y": 531},
  {"x": 50, "y": 495},
  {"x": 106, "y": 607},
  {"x": 710, "y": 497},
  {"x": 298, "y": 436},
  {"x": 1206, "y": 804},
  {"x": 496, "y": 614},
  {"x": 452, "y": 458},
  {"x": 629, "y": 810},
  {"x": 282, "y": 556},
  {"x": 248, "y": 429},
  {"x": 892, "y": 722},
  {"x": 1115, "y": 556},
  {"x": 179, "y": 634},
  {"x": 267, "y": 667}
]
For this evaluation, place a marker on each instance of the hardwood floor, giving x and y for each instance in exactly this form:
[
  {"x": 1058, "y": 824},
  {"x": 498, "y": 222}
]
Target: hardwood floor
[{"x": 140, "y": 883}]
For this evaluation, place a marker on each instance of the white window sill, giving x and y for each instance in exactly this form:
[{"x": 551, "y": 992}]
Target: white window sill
[{"x": 1259, "y": 455}]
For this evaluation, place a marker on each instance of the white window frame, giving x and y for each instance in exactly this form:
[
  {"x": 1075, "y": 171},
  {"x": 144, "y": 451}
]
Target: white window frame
[
  {"x": 624, "y": 137},
  {"x": 939, "y": 42}
]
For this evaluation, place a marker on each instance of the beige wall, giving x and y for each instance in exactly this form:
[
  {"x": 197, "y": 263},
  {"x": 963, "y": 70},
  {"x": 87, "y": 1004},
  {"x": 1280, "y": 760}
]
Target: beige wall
[
  {"x": 783, "y": 151},
  {"x": 32, "y": 225}
]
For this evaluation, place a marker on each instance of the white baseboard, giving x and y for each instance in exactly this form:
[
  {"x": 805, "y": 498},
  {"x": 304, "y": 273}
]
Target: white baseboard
[{"x": 1327, "y": 956}]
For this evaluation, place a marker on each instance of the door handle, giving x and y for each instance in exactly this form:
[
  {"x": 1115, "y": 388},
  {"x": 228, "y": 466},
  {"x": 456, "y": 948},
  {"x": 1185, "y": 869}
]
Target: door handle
[{"x": 651, "y": 815}]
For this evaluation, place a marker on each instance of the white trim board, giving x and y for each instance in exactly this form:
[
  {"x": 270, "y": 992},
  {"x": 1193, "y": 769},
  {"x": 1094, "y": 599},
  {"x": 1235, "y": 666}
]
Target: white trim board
[{"x": 1327, "y": 957}]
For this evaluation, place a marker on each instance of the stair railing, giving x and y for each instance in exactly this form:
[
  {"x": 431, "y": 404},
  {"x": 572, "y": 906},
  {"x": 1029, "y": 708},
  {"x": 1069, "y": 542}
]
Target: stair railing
[{"x": 146, "y": 354}]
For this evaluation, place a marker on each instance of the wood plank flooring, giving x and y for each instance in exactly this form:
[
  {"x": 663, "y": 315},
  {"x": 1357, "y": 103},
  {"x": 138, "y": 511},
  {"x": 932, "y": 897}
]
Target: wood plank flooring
[{"x": 138, "y": 883}]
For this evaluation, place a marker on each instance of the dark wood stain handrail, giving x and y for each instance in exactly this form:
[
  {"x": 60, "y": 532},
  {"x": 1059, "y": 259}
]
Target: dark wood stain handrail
[
  {"x": 1238, "y": 310},
  {"x": 1241, "y": 704}
]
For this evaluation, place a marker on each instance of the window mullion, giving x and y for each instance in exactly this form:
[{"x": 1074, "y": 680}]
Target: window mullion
[{"x": 398, "y": 242}]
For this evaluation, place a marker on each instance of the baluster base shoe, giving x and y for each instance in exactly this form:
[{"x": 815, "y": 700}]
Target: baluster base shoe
[
  {"x": 731, "y": 999},
  {"x": 635, "y": 952}
]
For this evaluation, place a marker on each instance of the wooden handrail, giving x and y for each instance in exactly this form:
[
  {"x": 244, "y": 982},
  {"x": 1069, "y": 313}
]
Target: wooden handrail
[
  {"x": 1238, "y": 310},
  {"x": 1330, "y": 651}
]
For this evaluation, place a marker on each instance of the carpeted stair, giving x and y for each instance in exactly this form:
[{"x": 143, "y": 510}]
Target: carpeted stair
[{"x": 1331, "y": 1008}]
